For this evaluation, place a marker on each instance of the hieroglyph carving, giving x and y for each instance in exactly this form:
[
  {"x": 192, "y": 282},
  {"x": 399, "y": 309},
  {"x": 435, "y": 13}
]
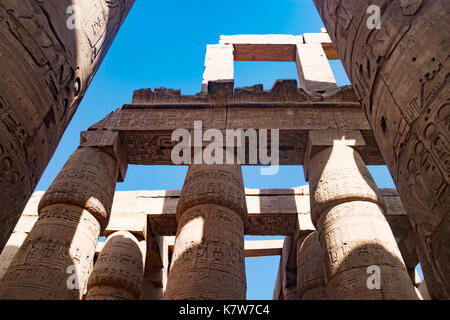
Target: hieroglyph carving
[{"x": 46, "y": 68}]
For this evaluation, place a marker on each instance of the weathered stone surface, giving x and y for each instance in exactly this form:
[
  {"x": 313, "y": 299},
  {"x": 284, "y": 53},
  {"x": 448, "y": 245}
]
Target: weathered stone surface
[
  {"x": 157, "y": 266},
  {"x": 219, "y": 64},
  {"x": 150, "y": 291},
  {"x": 146, "y": 129},
  {"x": 208, "y": 258},
  {"x": 270, "y": 212},
  {"x": 87, "y": 180},
  {"x": 263, "y": 39},
  {"x": 47, "y": 66},
  {"x": 286, "y": 281},
  {"x": 275, "y": 47},
  {"x": 434, "y": 288},
  {"x": 10, "y": 250},
  {"x": 337, "y": 175},
  {"x": 57, "y": 256},
  {"x": 213, "y": 184},
  {"x": 348, "y": 212},
  {"x": 404, "y": 88},
  {"x": 118, "y": 273},
  {"x": 310, "y": 269},
  {"x": 108, "y": 142},
  {"x": 267, "y": 47},
  {"x": 314, "y": 70}
]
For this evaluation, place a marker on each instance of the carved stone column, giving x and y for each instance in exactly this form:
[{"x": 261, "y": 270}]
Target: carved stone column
[
  {"x": 404, "y": 86},
  {"x": 12, "y": 246},
  {"x": 208, "y": 257},
  {"x": 57, "y": 256},
  {"x": 434, "y": 289},
  {"x": 348, "y": 213},
  {"x": 49, "y": 53},
  {"x": 118, "y": 273},
  {"x": 310, "y": 269}
]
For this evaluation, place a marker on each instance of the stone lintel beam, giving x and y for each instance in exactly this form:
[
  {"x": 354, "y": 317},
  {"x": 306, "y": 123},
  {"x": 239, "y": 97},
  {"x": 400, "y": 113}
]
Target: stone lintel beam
[
  {"x": 270, "y": 212},
  {"x": 275, "y": 47},
  {"x": 146, "y": 130},
  {"x": 108, "y": 142},
  {"x": 263, "y": 47},
  {"x": 253, "y": 248}
]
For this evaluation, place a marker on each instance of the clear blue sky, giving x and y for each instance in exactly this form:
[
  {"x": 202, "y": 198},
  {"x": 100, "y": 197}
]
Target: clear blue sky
[{"x": 162, "y": 44}]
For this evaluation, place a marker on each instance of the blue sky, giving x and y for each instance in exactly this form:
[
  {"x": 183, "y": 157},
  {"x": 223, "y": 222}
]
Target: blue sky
[{"x": 162, "y": 44}]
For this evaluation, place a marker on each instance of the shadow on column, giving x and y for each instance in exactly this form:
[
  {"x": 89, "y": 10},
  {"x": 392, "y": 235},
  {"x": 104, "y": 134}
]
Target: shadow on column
[
  {"x": 56, "y": 258},
  {"x": 361, "y": 276},
  {"x": 119, "y": 271}
]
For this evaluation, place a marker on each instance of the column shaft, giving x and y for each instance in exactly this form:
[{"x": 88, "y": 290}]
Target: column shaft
[
  {"x": 208, "y": 257},
  {"x": 310, "y": 269},
  {"x": 348, "y": 212},
  {"x": 57, "y": 256},
  {"x": 118, "y": 273},
  {"x": 12, "y": 246},
  {"x": 404, "y": 86},
  {"x": 49, "y": 53}
]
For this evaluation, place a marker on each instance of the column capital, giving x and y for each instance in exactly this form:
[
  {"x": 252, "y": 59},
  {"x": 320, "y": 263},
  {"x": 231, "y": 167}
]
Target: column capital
[
  {"x": 108, "y": 142},
  {"x": 321, "y": 139}
]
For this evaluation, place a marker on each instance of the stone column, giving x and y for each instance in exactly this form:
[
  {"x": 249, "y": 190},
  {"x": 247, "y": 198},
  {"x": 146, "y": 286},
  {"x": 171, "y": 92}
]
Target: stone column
[
  {"x": 57, "y": 256},
  {"x": 348, "y": 212},
  {"x": 151, "y": 291},
  {"x": 118, "y": 273},
  {"x": 310, "y": 269},
  {"x": 208, "y": 257},
  {"x": 12, "y": 246},
  {"x": 49, "y": 53},
  {"x": 403, "y": 85},
  {"x": 434, "y": 289}
]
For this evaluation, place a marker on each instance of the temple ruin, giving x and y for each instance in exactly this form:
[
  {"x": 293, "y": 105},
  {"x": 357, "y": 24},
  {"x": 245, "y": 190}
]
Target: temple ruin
[{"x": 189, "y": 243}]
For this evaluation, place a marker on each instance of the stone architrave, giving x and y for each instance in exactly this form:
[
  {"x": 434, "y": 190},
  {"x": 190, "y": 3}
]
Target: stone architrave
[
  {"x": 361, "y": 257},
  {"x": 400, "y": 71},
  {"x": 118, "y": 273},
  {"x": 208, "y": 257},
  {"x": 310, "y": 269},
  {"x": 49, "y": 53},
  {"x": 57, "y": 257}
]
